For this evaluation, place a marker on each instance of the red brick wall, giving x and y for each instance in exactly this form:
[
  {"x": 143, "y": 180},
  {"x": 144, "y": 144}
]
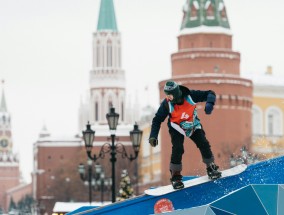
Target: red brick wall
[
  {"x": 201, "y": 53},
  {"x": 211, "y": 40},
  {"x": 18, "y": 194},
  {"x": 202, "y": 61},
  {"x": 9, "y": 178}
]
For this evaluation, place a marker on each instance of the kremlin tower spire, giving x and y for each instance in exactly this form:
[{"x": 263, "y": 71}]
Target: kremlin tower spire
[
  {"x": 3, "y": 107},
  {"x": 107, "y": 20},
  {"x": 5, "y": 126},
  {"x": 10, "y": 177}
]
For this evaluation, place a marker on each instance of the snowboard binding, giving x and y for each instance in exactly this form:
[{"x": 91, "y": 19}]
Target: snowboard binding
[
  {"x": 177, "y": 182},
  {"x": 212, "y": 171}
]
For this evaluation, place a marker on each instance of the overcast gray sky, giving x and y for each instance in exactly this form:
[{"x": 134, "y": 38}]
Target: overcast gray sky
[{"x": 46, "y": 51}]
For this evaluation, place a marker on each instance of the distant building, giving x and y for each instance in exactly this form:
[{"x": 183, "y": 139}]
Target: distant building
[
  {"x": 268, "y": 113},
  {"x": 61, "y": 208},
  {"x": 51, "y": 155},
  {"x": 11, "y": 185}
]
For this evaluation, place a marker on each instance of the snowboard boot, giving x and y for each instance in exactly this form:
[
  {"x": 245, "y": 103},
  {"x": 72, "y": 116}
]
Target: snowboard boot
[
  {"x": 212, "y": 171},
  {"x": 177, "y": 181}
]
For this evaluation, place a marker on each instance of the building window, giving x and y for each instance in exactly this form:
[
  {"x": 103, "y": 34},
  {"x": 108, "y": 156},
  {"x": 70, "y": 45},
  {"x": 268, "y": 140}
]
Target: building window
[
  {"x": 257, "y": 121},
  {"x": 194, "y": 7},
  {"x": 122, "y": 112},
  {"x": 270, "y": 124},
  {"x": 109, "y": 54},
  {"x": 119, "y": 59},
  {"x": 110, "y": 103},
  {"x": 98, "y": 54},
  {"x": 209, "y": 11},
  {"x": 274, "y": 121},
  {"x": 96, "y": 111},
  {"x": 103, "y": 57}
]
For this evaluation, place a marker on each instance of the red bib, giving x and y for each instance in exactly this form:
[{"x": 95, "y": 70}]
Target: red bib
[{"x": 184, "y": 112}]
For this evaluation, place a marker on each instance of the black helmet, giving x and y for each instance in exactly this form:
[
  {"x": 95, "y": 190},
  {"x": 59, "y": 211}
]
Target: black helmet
[{"x": 172, "y": 88}]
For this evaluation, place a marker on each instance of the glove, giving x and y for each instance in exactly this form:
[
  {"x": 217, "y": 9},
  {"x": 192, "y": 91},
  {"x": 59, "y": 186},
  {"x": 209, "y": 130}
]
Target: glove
[
  {"x": 186, "y": 125},
  {"x": 153, "y": 141},
  {"x": 208, "y": 108}
]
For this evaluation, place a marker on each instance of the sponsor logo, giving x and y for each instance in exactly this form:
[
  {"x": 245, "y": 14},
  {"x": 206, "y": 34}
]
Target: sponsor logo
[
  {"x": 184, "y": 115},
  {"x": 163, "y": 205}
]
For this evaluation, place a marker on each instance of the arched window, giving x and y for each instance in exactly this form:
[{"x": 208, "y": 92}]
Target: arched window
[
  {"x": 109, "y": 53},
  {"x": 193, "y": 10},
  {"x": 119, "y": 57},
  {"x": 98, "y": 54},
  {"x": 209, "y": 10},
  {"x": 110, "y": 104},
  {"x": 122, "y": 112},
  {"x": 96, "y": 111},
  {"x": 274, "y": 121},
  {"x": 257, "y": 121}
]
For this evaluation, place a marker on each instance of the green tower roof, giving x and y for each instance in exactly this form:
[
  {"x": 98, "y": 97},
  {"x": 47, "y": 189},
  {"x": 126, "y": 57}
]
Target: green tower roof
[
  {"x": 107, "y": 19},
  {"x": 211, "y": 13}
]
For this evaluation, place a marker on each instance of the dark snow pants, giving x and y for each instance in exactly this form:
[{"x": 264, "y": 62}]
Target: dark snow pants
[{"x": 198, "y": 137}]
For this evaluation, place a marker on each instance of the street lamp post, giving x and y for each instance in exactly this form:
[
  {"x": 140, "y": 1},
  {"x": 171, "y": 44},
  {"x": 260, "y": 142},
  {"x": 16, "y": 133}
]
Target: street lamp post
[
  {"x": 100, "y": 182},
  {"x": 93, "y": 178},
  {"x": 87, "y": 176},
  {"x": 135, "y": 136}
]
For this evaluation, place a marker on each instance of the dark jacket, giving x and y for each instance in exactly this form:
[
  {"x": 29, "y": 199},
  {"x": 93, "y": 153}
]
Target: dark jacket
[{"x": 163, "y": 111}]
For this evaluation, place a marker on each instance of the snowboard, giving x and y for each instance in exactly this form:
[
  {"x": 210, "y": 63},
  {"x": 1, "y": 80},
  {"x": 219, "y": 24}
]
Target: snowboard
[{"x": 196, "y": 181}]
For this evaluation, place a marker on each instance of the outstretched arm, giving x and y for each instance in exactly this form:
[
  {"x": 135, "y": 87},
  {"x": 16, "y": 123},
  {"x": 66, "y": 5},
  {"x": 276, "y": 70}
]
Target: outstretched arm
[
  {"x": 160, "y": 116},
  {"x": 203, "y": 96}
]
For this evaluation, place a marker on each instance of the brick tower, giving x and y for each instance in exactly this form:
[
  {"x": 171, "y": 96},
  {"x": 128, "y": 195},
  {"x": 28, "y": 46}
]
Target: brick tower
[
  {"x": 205, "y": 61},
  {"x": 9, "y": 164}
]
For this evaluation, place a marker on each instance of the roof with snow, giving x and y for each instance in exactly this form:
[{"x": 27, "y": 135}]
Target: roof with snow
[
  {"x": 209, "y": 13},
  {"x": 71, "y": 206},
  {"x": 103, "y": 130},
  {"x": 266, "y": 79},
  {"x": 220, "y": 194}
]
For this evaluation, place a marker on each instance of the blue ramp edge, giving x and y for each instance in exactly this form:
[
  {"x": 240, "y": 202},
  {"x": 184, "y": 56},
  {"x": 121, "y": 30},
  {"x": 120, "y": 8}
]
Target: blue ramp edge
[{"x": 265, "y": 172}]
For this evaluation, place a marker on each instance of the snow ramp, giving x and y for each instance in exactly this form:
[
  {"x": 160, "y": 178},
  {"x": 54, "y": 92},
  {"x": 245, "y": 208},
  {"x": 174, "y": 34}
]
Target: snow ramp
[{"x": 266, "y": 172}]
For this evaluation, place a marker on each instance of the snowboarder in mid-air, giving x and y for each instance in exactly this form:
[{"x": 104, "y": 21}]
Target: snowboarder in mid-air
[{"x": 180, "y": 106}]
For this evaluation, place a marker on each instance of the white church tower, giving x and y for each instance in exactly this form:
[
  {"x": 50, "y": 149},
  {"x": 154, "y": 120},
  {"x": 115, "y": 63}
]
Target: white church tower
[{"x": 107, "y": 79}]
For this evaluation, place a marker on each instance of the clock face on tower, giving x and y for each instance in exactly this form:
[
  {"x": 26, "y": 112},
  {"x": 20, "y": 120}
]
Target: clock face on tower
[{"x": 4, "y": 143}]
